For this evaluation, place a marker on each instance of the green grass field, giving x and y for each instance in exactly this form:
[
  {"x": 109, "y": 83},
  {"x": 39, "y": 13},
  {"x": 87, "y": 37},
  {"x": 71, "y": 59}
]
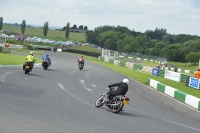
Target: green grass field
[
  {"x": 12, "y": 59},
  {"x": 36, "y": 52},
  {"x": 53, "y": 34}
]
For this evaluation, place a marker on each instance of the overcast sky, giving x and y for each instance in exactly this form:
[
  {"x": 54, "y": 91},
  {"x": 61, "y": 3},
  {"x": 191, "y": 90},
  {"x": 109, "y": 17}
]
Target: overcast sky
[{"x": 177, "y": 16}]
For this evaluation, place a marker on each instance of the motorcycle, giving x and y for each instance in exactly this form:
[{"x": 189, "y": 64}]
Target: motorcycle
[
  {"x": 27, "y": 67},
  {"x": 54, "y": 50},
  {"x": 45, "y": 64},
  {"x": 116, "y": 103},
  {"x": 81, "y": 65}
]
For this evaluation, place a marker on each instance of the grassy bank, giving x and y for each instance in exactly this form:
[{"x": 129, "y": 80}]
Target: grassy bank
[
  {"x": 53, "y": 34},
  {"x": 11, "y": 59},
  {"x": 85, "y": 48}
]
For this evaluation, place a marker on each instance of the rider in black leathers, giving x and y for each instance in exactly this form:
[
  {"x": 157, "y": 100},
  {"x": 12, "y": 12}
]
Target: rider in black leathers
[{"x": 121, "y": 90}]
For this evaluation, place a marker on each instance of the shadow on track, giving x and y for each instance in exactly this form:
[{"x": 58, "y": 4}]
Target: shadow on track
[
  {"x": 51, "y": 70},
  {"x": 129, "y": 114},
  {"x": 122, "y": 113},
  {"x": 31, "y": 74},
  {"x": 84, "y": 70}
]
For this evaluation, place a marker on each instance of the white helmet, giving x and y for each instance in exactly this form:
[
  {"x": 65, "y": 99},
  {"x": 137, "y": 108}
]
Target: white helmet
[
  {"x": 125, "y": 80},
  {"x": 31, "y": 52}
]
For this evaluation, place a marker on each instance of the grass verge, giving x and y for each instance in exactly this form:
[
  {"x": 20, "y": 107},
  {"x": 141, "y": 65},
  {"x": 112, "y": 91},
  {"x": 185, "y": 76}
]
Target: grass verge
[
  {"x": 85, "y": 48},
  {"x": 36, "y": 52},
  {"x": 11, "y": 59}
]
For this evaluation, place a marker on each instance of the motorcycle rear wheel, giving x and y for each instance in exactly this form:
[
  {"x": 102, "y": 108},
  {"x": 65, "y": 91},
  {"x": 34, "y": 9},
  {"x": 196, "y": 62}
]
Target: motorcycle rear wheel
[
  {"x": 26, "y": 71},
  {"x": 117, "y": 108}
]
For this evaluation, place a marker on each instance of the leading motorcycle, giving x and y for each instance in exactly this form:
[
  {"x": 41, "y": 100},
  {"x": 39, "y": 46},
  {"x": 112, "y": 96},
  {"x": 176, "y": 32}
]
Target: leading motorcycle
[
  {"x": 27, "y": 68},
  {"x": 116, "y": 103},
  {"x": 81, "y": 65}
]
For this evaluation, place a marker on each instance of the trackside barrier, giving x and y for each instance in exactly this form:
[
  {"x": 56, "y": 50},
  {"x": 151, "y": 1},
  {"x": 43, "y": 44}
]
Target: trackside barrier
[
  {"x": 176, "y": 94},
  {"x": 169, "y": 68},
  {"x": 183, "y": 78},
  {"x": 106, "y": 59},
  {"x": 147, "y": 69},
  {"x": 102, "y": 58},
  {"x": 6, "y": 50},
  {"x": 180, "y": 70},
  {"x": 137, "y": 67},
  {"x": 122, "y": 63},
  {"x": 116, "y": 62},
  {"x": 111, "y": 61},
  {"x": 161, "y": 73},
  {"x": 129, "y": 65}
]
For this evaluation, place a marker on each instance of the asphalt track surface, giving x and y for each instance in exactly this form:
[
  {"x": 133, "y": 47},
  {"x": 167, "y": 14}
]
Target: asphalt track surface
[{"x": 61, "y": 100}]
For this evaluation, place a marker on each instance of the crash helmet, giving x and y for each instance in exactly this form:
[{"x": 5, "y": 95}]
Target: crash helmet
[{"x": 125, "y": 80}]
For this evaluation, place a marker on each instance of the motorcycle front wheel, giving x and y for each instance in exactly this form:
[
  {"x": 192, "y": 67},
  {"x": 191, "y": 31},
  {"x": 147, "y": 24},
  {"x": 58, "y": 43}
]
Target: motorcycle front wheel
[{"x": 99, "y": 101}]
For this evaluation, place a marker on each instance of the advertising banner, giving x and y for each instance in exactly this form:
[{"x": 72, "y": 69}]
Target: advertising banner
[
  {"x": 194, "y": 82},
  {"x": 172, "y": 75},
  {"x": 155, "y": 71}
]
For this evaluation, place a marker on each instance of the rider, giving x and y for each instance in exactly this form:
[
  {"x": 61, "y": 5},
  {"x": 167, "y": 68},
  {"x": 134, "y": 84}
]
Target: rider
[
  {"x": 121, "y": 90},
  {"x": 54, "y": 49},
  {"x": 46, "y": 56},
  {"x": 30, "y": 58},
  {"x": 80, "y": 60}
]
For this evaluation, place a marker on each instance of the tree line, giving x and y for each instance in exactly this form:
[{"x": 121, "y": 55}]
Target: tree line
[
  {"x": 45, "y": 27},
  {"x": 74, "y": 27},
  {"x": 178, "y": 48}
]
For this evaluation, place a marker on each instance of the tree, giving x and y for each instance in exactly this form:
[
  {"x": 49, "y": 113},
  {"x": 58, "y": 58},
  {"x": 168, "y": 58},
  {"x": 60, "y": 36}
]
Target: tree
[
  {"x": 172, "y": 52},
  {"x": 85, "y": 28},
  {"x": 67, "y": 30},
  {"x": 90, "y": 37},
  {"x": 1, "y": 22},
  {"x": 64, "y": 28},
  {"x": 193, "y": 57},
  {"x": 81, "y": 27},
  {"x": 74, "y": 27},
  {"x": 157, "y": 49},
  {"x": 23, "y": 26},
  {"x": 45, "y": 28}
]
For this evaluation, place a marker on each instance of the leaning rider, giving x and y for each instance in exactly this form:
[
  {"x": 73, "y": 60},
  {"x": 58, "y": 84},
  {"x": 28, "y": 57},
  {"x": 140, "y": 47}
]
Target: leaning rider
[
  {"x": 46, "y": 56},
  {"x": 80, "y": 60},
  {"x": 30, "y": 58}
]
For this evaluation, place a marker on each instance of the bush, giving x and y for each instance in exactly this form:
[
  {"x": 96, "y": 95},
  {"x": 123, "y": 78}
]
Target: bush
[{"x": 11, "y": 41}]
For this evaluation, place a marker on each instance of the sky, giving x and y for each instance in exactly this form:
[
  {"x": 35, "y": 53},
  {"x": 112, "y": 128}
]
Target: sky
[{"x": 177, "y": 16}]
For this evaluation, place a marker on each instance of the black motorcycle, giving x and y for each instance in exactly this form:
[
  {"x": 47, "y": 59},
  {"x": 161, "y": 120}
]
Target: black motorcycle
[
  {"x": 45, "y": 64},
  {"x": 116, "y": 103},
  {"x": 54, "y": 50},
  {"x": 81, "y": 65}
]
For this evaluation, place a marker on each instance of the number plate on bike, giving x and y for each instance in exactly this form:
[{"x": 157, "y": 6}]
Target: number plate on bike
[
  {"x": 27, "y": 67},
  {"x": 125, "y": 102}
]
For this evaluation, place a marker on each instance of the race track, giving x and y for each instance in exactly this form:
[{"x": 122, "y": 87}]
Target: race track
[{"x": 61, "y": 100}]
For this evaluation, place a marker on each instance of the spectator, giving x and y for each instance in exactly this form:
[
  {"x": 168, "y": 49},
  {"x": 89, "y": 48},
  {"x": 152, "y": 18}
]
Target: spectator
[
  {"x": 197, "y": 74},
  {"x": 175, "y": 69}
]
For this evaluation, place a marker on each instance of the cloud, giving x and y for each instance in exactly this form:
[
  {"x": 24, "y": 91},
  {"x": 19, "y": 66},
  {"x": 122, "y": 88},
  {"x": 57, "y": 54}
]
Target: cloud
[{"x": 176, "y": 16}]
